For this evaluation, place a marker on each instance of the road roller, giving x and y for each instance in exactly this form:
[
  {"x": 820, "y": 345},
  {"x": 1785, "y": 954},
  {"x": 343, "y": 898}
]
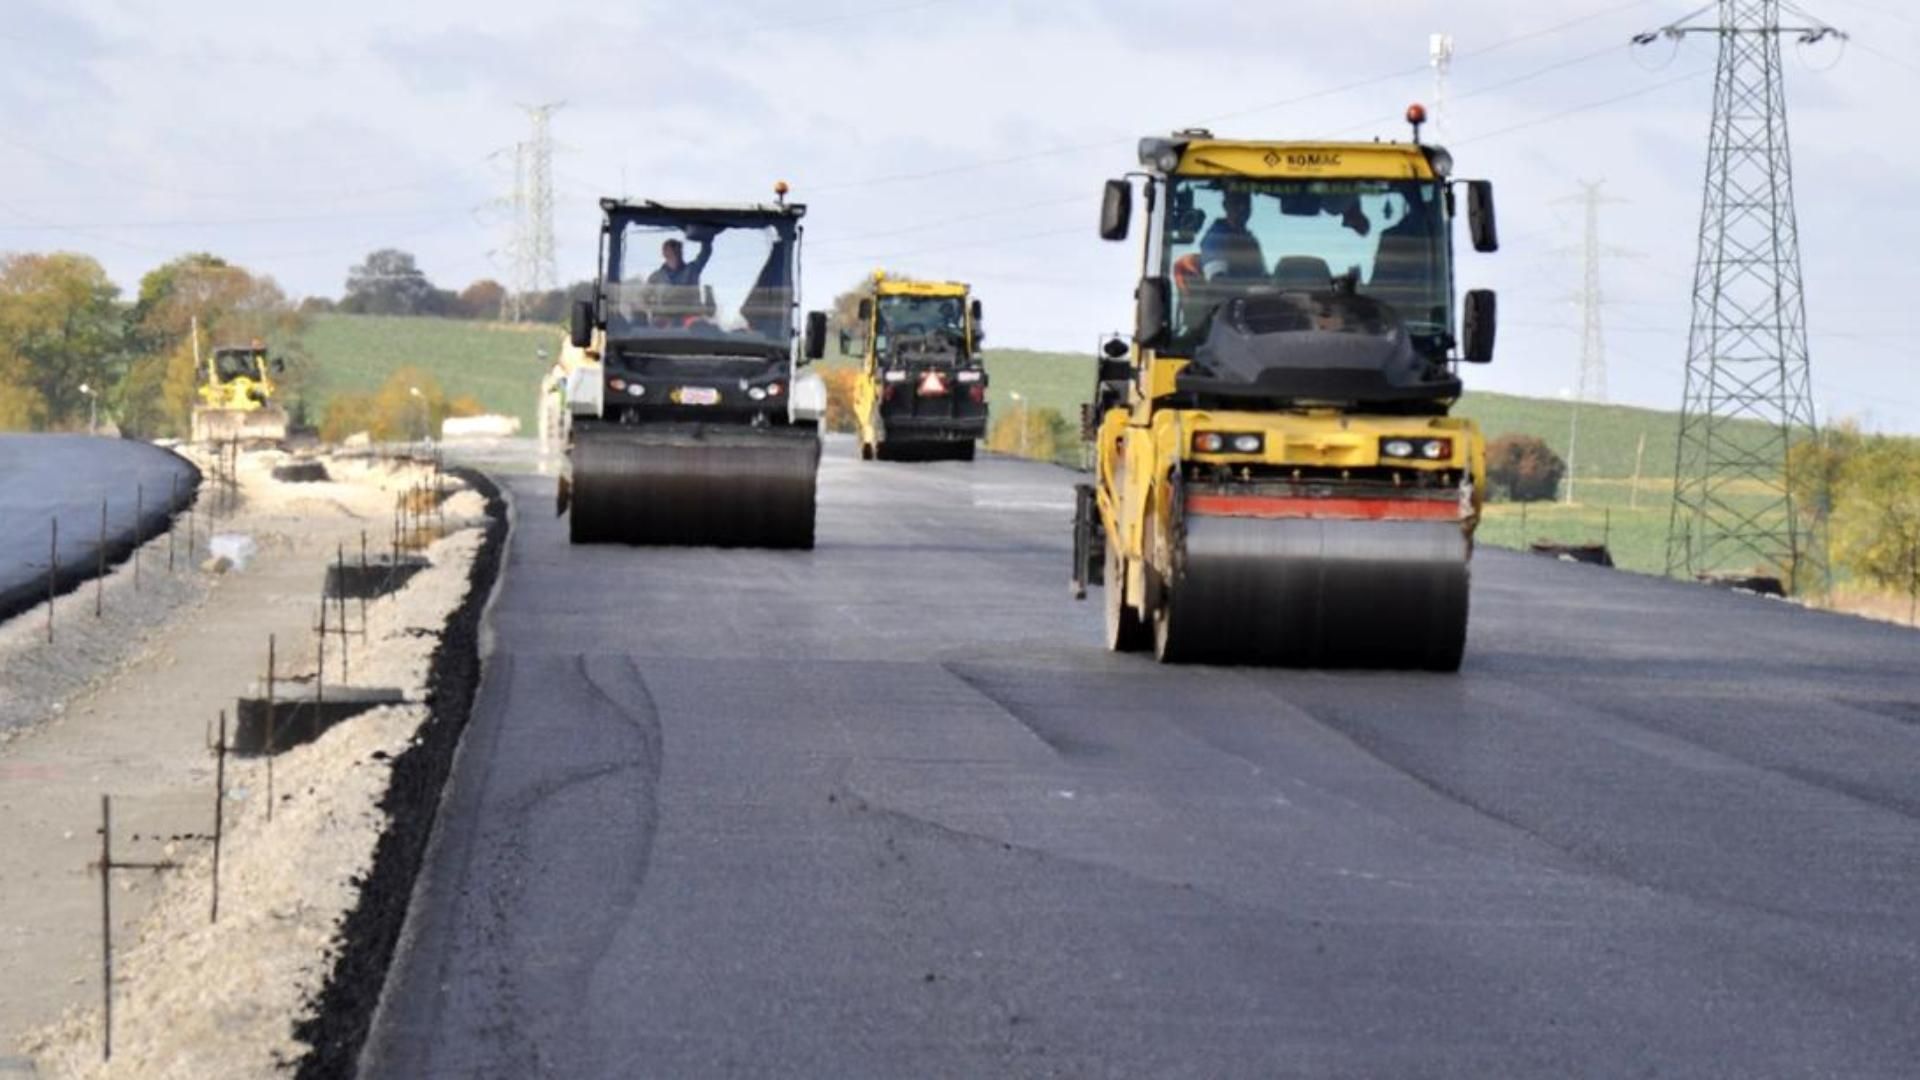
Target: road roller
[
  {"x": 922, "y": 393},
  {"x": 688, "y": 417},
  {"x": 1278, "y": 477}
]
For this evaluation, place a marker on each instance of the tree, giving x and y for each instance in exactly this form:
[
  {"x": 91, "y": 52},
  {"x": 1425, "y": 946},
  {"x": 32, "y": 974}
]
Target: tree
[
  {"x": 60, "y": 327},
  {"x": 1522, "y": 468},
  {"x": 1876, "y": 519},
  {"x": 389, "y": 282},
  {"x": 1045, "y": 437},
  {"x": 482, "y": 299},
  {"x": 230, "y": 306},
  {"x": 21, "y": 406},
  {"x": 410, "y": 405}
]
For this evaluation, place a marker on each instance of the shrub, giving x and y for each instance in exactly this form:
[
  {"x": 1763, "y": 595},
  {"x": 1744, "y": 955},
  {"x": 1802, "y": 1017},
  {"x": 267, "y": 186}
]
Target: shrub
[{"x": 1522, "y": 468}]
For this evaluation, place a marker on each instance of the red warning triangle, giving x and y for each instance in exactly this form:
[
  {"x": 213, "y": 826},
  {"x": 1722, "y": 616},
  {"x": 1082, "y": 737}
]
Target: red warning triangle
[{"x": 932, "y": 385}]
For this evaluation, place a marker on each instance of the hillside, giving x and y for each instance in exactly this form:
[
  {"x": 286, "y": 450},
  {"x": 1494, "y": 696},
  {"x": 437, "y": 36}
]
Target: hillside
[{"x": 499, "y": 365}]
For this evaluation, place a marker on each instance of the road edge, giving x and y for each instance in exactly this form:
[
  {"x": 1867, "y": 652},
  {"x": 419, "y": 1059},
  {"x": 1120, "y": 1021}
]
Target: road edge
[{"x": 343, "y": 1010}]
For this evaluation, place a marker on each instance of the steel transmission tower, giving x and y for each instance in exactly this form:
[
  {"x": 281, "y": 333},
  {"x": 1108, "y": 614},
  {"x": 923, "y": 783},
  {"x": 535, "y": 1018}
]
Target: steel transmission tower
[
  {"x": 1440, "y": 55},
  {"x": 1748, "y": 400},
  {"x": 531, "y": 252},
  {"x": 1591, "y": 386}
]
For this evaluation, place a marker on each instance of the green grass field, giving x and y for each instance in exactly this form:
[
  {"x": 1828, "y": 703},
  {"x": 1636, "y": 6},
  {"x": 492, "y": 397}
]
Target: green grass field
[{"x": 497, "y": 364}]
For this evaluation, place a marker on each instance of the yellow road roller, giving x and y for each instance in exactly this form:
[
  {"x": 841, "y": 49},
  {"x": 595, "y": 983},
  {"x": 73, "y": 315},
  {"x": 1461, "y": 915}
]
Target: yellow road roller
[
  {"x": 1279, "y": 479},
  {"x": 689, "y": 419},
  {"x": 922, "y": 393}
]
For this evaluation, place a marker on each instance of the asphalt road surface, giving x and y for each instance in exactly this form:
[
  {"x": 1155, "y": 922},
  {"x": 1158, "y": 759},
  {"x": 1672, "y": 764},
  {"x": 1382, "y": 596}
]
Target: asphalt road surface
[
  {"x": 888, "y": 809},
  {"x": 67, "y": 476}
]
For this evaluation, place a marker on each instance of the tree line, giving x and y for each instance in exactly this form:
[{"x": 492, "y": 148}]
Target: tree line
[
  {"x": 390, "y": 282},
  {"x": 71, "y": 344}
]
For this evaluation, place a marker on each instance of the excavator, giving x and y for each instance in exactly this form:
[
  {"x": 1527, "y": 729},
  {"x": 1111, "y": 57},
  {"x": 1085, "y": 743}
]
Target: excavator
[
  {"x": 1279, "y": 479},
  {"x": 237, "y": 395},
  {"x": 688, "y": 419},
  {"x": 922, "y": 392}
]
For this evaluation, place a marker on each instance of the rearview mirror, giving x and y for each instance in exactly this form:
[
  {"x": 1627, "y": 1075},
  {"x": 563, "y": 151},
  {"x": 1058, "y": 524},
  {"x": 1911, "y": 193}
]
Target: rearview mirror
[
  {"x": 581, "y": 332},
  {"x": 1480, "y": 220},
  {"x": 1115, "y": 348},
  {"x": 815, "y": 345},
  {"x": 1150, "y": 312},
  {"x": 1478, "y": 325},
  {"x": 1116, "y": 210},
  {"x": 866, "y": 313}
]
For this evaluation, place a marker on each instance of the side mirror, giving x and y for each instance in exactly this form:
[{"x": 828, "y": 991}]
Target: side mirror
[
  {"x": 815, "y": 345},
  {"x": 581, "y": 332},
  {"x": 1116, "y": 210},
  {"x": 865, "y": 313},
  {"x": 1116, "y": 361},
  {"x": 279, "y": 365},
  {"x": 1115, "y": 348},
  {"x": 1480, "y": 219},
  {"x": 1478, "y": 325},
  {"x": 979, "y": 333},
  {"x": 1150, "y": 311}
]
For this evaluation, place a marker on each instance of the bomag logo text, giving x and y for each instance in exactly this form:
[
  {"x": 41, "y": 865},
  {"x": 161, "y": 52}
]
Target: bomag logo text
[{"x": 1313, "y": 160}]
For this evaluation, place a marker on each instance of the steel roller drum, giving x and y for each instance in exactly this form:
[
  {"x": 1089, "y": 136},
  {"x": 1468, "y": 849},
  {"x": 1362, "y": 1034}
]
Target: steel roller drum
[
  {"x": 1324, "y": 593},
  {"x": 694, "y": 487}
]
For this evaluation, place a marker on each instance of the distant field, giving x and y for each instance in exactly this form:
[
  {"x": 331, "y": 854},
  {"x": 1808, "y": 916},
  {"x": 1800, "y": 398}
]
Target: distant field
[
  {"x": 497, "y": 364},
  {"x": 494, "y": 362}
]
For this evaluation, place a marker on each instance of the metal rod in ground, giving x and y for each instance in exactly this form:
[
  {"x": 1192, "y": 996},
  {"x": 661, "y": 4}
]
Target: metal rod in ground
[
  {"x": 106, "y": 927},
  {"x": 320, "y": 665},
  {"x": 53, "y": 575},
  {"x": 100, "y": 569},
  {"x": 270, "y": 724},
  {"x": 363, "y": 586},
  {"x": 340, "y": 563},
  {"x": 173, "y": 507},
  {"x": 219, "y": 809},
  {"x": 139, "y": 515}
]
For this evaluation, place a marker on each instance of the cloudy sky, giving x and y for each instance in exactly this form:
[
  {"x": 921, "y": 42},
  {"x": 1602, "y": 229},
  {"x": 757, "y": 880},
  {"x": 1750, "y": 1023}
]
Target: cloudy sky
[{"x": 961, "y": 138}]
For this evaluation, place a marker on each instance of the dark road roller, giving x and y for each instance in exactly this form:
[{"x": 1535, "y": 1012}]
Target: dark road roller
[
  {"x": 1279, "y": 480},
  {"x": 687, "y": 416}
]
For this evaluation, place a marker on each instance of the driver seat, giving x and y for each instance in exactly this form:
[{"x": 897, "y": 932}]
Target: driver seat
[{"x": 1303, "y": 273}]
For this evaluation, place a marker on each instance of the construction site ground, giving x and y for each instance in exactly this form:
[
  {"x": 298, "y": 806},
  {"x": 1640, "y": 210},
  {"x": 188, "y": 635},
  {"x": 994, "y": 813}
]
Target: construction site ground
[{"x": 125, "y": 704}]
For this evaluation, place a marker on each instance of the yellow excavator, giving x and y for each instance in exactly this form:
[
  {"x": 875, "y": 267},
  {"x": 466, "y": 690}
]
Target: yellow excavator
[
  {"x": 237, "y": 394},
  {"x": 922, "y": 392},
  {"x": 1279, "y": 479}
]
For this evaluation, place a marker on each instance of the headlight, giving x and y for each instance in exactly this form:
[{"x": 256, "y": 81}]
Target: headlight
[
  {"x": 1209, "y": 442},
  {"x": 1217, "y": 442},
  {"x": 968, "y": 376},
  {"x": 616, "y": 385},
  {"x": 1440, "y": 161},
  {"x": 896, "y": 375},
  {"x": 757, "y": 394},
  {"x": 1430, "y": 449},
  {"x": 774, "y": 390},
  {"x": 1248, "y": 444},
  {"x": 636, "y": 389}
]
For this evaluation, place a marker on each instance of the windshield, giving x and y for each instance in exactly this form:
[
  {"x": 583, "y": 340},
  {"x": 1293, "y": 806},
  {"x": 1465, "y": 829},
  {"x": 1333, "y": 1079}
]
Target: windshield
[
  {"x": 1228, "y": 237},
  {"x": 231, "y": 364},
  {"x": 936, "y": 322},
  {"x": 696, "y": 281}
]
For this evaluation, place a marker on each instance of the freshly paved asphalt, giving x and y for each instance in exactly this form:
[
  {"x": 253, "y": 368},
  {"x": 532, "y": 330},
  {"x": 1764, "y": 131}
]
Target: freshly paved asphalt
[
  {"x": 888, "y": 809},
  {"x": 67, "y": 476}
]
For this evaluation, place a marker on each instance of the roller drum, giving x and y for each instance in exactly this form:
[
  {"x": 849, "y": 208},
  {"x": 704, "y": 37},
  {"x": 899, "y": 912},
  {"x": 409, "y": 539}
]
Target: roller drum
[
  {"x": 1323, "y": 593},
  {"x": 702, "y": 487}
]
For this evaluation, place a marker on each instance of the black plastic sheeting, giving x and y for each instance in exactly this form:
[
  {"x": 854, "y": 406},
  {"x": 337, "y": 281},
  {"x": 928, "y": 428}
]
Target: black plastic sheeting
[
  {"x": 66, "y": 476},
  {"x": 342, "y": 1013}
]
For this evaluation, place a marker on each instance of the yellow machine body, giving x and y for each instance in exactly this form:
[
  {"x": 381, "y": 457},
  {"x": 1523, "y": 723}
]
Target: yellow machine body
[
  {"x": 237, "y": 397},
  {"x": 1280, "y": 528},
  {"x": 922, "y": 387}
]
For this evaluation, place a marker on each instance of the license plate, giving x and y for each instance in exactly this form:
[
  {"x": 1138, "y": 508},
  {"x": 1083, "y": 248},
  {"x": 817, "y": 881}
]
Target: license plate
[{"x": 697, "y": 395}]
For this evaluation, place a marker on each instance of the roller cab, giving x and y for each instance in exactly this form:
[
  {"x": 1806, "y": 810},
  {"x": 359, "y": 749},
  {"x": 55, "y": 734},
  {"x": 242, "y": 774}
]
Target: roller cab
[
  {"x": 689, "y": 416},
  {"x": 1279, "y": 478},
  {"x": 922, "y": 393}
]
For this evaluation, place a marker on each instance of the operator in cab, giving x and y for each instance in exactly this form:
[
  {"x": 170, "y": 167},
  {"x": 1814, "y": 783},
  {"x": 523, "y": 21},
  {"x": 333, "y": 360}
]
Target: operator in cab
[{"x": 674, "y": 267}]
